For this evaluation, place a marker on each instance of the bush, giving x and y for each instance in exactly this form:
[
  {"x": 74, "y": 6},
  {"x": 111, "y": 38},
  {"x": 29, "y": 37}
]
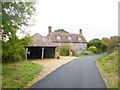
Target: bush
[
  {"x": 14, "y": 49},
  {"x": 93, "y": 49},
  {"x": 64, "y": 49}
]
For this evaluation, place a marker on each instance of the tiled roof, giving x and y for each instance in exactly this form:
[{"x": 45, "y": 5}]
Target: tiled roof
[
  {"x": 66, "y": 37},
  {"x": 41, "y": 41}
]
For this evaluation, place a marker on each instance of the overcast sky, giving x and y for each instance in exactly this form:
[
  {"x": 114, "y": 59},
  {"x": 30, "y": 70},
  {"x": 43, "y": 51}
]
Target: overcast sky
[{"x": 97, "y": 18}]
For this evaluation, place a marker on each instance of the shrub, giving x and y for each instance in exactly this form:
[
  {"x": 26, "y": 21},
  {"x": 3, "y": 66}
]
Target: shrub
[
  {"x": 14, "y": 49},
  {"x": 64, "y": 49},
  {"x": 93, "y": 49}
]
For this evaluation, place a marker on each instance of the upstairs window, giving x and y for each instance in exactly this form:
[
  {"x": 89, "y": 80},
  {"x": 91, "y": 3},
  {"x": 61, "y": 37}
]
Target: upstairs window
[
  {"x": 58, "y": 37},
  {"x": 69, "y": 38},
  {"x": 79, "y": 38}
]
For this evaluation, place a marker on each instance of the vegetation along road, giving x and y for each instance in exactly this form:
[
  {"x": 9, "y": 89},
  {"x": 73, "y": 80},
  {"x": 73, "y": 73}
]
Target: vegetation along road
[{"x": 79, "y": 73}]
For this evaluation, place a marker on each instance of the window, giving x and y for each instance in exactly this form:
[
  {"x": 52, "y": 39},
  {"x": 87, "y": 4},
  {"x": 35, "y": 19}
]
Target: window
[
  {"x": 58, "y": 37},
  {"x": 79, "y": 38},
  {"x": 69, "y": 38},
  {"x": 81, "y": 43}
]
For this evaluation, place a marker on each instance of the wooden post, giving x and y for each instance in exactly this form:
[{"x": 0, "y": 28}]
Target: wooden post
[
  {"x": 55, "y": 56},
  {"x": 59, "y": 52},
  {"x": 42, "y": 53},
  {"x": 69, "y": 52},
  {"x": 26, "y": 52}
]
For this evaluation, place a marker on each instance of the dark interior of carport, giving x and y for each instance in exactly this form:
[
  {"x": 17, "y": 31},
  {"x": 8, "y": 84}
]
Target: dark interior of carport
[{"x": 36, "y": 52}]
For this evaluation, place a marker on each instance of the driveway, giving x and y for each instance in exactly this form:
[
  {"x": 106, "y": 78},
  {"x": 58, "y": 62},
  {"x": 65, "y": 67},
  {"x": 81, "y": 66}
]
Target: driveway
[{"x": 79, "y": 73}]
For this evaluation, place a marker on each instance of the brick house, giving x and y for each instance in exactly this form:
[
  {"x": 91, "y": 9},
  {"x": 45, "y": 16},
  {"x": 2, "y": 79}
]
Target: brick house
[{"x": 77, "y": 41}]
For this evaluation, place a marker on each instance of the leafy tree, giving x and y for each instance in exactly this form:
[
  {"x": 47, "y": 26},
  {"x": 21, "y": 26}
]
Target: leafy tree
[
  {"x": 101, "y": 47},
  {"x": 113, "y": 43},
  {"x": 61, "y": 30},
  {"x": 105, "y": 40},
  {"x": 15, "y": 15},
  {"x": 95, "y": 42}
]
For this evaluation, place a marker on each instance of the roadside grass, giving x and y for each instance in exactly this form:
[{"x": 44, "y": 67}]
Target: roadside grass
[
  {"x": 108, "y": 67},
  {"x": 16, "y": 75},
  {"x": 82, "y": 54},
  {"x": 0, "y": 66}
]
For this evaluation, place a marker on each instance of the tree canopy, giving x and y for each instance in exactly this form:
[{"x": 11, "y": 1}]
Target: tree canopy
[
  {"x": 15, "y": 15},
  {"x": 61, "y": 30},
  {"x": 113, "y": 43},
  {"x": 105, "y": 44},
  {"x": 98, "y": 44}
]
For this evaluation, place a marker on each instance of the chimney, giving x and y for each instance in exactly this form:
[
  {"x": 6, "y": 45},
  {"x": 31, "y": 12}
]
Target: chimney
[
  {"x": 49, "y": 30},
  {"x": 80, "y": 31}
]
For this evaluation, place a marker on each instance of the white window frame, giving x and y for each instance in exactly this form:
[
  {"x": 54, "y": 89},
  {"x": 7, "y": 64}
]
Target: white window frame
[
  {"x": 58, "y": 37},
  {"x": 69, "y": 37},
  {"x": 79, "y": 38}
]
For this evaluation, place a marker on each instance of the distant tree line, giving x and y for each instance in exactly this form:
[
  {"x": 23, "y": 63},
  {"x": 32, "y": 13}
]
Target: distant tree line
[
  {"x": 61, "y": 30},
  {"x": 104, "y": 45}
]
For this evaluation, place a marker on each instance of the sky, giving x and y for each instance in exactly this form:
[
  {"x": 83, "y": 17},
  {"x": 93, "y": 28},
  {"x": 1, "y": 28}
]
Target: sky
[{"x": 96, "y": 18}]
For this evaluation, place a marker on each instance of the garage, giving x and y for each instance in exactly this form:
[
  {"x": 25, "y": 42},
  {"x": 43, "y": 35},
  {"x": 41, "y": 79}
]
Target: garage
[{"x": 41, "y": 48}]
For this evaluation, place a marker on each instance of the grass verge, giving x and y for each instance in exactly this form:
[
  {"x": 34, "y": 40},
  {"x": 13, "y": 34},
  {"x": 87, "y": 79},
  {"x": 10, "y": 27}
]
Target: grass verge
[
  {"x": 16, "y": 75},
  {"x": 89, "y": 54},
  {"x": 108, "y": 67}
]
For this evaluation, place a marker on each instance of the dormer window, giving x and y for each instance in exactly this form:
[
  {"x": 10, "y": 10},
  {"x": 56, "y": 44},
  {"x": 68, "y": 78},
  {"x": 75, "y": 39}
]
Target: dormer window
[
  {"x": 58, "y": 37},
  {"x": 69, "y": 38},
  {"x": 79, "y": 38}
]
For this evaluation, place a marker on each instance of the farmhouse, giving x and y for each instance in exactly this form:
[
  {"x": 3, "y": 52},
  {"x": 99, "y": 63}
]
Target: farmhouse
[
  {"x": 45, "y": 47},
  {"x": 42, "y": 48},
  {"x": 77, "y": 41}
]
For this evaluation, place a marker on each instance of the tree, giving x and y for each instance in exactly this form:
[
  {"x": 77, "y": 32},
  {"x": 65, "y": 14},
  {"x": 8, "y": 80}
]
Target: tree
[
  {"x": 64, "y": 49},
  {"x": 101, "y": 47},
  {"x": 113, "y": 43},
  {"x": 15, "y": 15},
  {"x": 61, "y": 30},
  {"x": 105, "y": 39}
]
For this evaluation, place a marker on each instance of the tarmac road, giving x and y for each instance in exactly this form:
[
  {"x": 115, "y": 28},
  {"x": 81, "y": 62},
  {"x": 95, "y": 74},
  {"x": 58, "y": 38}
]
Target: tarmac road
[{"x": 79, "y": 73}]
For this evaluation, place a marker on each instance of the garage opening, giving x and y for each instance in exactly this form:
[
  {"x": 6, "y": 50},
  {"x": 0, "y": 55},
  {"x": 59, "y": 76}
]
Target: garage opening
[
  {"x": 34, "y": 53},
  {"x": 40, "y": 52},
  {"x": 49, "y": 52}
]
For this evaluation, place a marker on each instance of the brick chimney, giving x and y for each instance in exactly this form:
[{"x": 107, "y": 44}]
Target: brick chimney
[
  {"x": 80, "y": 31},
  {"x": 49, "y": 30}
]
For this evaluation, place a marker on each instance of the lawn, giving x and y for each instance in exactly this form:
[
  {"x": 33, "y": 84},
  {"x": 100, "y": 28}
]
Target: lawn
[
  {"x": 16, "y": 75},
  {"x": 108, "y": 67}
]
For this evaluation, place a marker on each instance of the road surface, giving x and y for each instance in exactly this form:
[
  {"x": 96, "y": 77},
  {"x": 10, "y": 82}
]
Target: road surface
[{"x": 79, "y": 73}]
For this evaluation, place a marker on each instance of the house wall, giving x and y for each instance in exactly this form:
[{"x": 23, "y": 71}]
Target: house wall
[{"x": 75, "y": 46}]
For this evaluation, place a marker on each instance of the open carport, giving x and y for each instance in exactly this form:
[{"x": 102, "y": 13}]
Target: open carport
[
  {"x": 41, "y": 48},
  {"x": 40, "y": 52}
]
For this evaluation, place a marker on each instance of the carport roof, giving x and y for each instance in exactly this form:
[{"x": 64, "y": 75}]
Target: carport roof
[{"x": 40, "y": 40}]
